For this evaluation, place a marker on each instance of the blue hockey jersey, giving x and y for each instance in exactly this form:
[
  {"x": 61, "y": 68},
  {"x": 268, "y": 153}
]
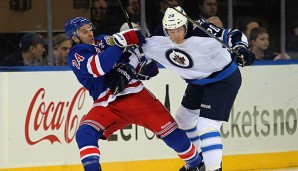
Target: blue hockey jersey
[{"x": 90, "y": 63}]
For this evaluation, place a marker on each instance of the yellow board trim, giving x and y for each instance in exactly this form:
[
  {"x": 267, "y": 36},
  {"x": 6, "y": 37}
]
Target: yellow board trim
[
  {"x": 261, "y": 161},
  {"x": 230, "y": 163}
]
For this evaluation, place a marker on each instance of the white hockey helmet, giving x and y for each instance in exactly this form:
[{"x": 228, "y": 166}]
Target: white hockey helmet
[{"x": 173, "y": 19}]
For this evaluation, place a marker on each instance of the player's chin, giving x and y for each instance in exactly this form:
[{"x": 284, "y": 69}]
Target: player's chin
[
  {"x": 179, "y": 41},
  {"x": 92, "y": 42}
]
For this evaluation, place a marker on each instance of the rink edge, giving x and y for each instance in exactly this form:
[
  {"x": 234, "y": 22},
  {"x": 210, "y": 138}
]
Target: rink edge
[{"x": 230, "y": 163}]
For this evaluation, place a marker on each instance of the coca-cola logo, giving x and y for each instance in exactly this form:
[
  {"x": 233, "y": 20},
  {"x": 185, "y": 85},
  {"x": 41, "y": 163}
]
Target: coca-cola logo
[{"x": 46, "y": 119}]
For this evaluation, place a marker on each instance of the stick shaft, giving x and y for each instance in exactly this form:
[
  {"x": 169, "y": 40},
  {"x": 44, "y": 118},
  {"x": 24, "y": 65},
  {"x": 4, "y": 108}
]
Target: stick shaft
[
  {"x": 125, "y": 15},
  {"x": 130, "y": 26}
]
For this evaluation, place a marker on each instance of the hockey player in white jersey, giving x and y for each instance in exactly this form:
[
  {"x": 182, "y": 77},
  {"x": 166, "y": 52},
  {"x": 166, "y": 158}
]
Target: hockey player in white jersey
[{"x": 212, "y": 75}]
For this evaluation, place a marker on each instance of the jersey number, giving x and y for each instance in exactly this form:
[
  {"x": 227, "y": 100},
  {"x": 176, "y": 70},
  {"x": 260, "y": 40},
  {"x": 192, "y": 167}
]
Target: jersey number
[
  {"x": 76, "y": 62},
  {"x": 213, "y": 30},
  {"x": 171, "y": 16}
]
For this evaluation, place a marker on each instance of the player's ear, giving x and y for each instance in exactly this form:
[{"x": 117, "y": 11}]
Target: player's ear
[{"x": 75, "y": 39}]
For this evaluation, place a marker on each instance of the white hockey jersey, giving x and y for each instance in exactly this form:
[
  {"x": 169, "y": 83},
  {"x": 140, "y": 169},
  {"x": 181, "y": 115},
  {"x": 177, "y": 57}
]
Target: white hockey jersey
[
  {"x": 199, "y": 56},
  {"x": 195, "y": 58}
]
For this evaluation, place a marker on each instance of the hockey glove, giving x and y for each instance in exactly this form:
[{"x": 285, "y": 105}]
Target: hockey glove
[
  {"x": 147, "y": 69},
  {"x": 118, "y": 77},
  {"x": 245, "y": 57},
  {"x": 128, "y": 38}
]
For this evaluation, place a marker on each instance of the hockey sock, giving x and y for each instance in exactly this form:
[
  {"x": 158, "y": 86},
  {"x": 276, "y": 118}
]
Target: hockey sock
[
  {"x": 178, "y": 141},
  {"x": 194, "y": 137},
  {"x": 212, "y": 149},
  {"x": 87, "y": 139},
  {"x": 187, "y": 120},
  {"x": 211, "y": 142}
]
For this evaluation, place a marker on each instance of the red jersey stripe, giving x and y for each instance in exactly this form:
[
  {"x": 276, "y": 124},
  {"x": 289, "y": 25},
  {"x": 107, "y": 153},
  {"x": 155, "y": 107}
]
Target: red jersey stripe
[
  {"x": 94, "y": 67},
  {"x": 88, "y": 151},
  {"x": 109, "y": 93},
  {"x": 188, "y": 154}
]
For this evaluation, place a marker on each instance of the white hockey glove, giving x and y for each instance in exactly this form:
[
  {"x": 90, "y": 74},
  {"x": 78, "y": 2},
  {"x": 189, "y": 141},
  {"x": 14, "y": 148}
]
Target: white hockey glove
[{"x": 128, "y": 38}]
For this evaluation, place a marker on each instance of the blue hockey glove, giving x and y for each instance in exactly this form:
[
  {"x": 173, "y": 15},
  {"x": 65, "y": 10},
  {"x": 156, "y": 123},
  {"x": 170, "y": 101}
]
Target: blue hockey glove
[
  {"x": 146, "y": 70},
  {"x": 246, "y": 56},
  {"x": 128, "y": 38},
  {"x": 118, "y": 77}
]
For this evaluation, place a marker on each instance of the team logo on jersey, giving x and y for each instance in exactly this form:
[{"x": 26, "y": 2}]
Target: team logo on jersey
[
  {"x": 107, "y": 39},
  {"x": 179, "y": 58}
]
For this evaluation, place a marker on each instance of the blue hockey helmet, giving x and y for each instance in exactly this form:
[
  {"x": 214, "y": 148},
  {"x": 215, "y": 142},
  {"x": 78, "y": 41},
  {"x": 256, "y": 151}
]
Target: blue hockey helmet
[{"x": 72, "y": 25}]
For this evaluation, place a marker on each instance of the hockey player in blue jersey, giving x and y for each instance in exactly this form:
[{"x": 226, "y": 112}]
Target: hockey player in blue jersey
[
  {"x": 119, "y": 97},
  {"x": 212, "y": 75}
]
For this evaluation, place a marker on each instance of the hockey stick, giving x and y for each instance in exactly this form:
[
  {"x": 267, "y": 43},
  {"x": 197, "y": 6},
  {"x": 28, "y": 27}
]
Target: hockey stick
[
  {"x": 142, "y": 58},
  {"x": 204, "y": 30}
]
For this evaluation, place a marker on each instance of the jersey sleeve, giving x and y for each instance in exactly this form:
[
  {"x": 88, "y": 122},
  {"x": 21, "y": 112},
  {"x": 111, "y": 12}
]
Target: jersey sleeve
[
  {"x": 93, "y": 61},
  {"x": 90, "y": 63},
  {"x": 232, "y": 37}
]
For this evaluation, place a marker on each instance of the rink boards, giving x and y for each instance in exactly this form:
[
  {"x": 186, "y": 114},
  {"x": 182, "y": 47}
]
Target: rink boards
[{"x": 40, "y": 112}]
